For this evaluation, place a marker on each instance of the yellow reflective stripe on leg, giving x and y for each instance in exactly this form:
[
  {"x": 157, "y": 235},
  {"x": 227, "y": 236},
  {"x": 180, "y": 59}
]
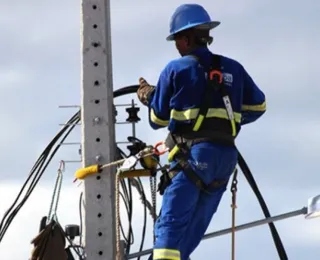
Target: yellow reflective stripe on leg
[
  {"x": 166, "y": 254},
  {"x": 198, "y": 123},
  {"x": 157, "y": 120},
  {"x": 172, "y": 153}
]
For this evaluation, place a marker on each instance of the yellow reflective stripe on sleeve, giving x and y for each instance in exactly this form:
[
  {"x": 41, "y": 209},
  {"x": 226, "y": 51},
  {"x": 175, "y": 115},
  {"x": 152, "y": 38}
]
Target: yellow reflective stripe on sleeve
[
  {"x": 259, "y": 108},
  {"x": 166, "y": 254},
  {"x": 212, "y": 112},
  {"x": 157, "y": 120}
]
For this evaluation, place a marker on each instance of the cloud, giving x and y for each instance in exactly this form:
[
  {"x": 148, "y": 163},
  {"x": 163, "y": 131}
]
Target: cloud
[
  {"x": 26, "y": 225},
  {"x": 248, "y": 210},
  {"x": 277, "y": 42}
]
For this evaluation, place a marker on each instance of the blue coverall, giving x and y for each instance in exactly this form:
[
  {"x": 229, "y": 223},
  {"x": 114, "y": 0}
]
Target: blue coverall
[{"x": 186, "y": 210}]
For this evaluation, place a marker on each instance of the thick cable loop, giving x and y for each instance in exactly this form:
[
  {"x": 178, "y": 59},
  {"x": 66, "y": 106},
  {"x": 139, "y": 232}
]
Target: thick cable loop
[
  {"x": 49, "y": 152},
  {"x": 44, "y": 160}
]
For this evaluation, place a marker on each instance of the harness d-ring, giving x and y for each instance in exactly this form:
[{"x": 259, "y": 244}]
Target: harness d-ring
[{"x": 161, "y": 152}]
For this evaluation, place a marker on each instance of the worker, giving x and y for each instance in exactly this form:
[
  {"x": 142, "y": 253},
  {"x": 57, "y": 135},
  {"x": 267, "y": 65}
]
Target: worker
[{"x": 203, "y": 152}]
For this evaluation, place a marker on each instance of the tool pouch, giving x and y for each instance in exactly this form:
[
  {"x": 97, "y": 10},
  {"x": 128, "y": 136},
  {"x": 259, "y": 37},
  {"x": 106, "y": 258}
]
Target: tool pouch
[{"x": 49, "y": 244}]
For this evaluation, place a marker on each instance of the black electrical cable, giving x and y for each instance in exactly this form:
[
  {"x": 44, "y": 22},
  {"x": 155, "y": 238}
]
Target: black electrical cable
[
  {"x": 128, "y": 201},
  {"x": 130, "y": 230},
  {"x": 44, "y": 159},
  {"x": 71, "y": 245},
  {"x": 143, "y": 197},
  {"x": 43, "y": 162},
  {"x": 249, "y": 176},
  {"x": 32, "y": 170},
  {"x": 81, "y": 219}
]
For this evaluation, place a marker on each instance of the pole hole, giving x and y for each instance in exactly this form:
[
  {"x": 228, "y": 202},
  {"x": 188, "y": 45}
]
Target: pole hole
[
  {"x": 100, "y": 234},
  {"x": 97, "y": 83},
  {"x": 98, "y": 139},
  {"x": 94, "y": 7},
  {"x": 95, "y": 26},
  {"x": 97, "y": 101},
  {"x": 98, "y": 177},
  {"x": 99, "y": 215},
  {"x": 100, "y": 253},
  {"x": 96, "y": 64},
  {"x": 98, "y": 196}
]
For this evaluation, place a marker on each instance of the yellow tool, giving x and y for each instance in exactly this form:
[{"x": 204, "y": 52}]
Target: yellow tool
[
  {"x": 149, "y": 162},
  {"x": 127, "y": 164}
]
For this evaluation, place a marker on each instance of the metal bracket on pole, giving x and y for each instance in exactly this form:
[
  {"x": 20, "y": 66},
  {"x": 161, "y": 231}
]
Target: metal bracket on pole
[{"x": 98, "y": 133}]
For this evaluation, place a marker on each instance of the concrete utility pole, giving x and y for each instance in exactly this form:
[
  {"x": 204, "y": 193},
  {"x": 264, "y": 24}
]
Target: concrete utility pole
[{"x": 98, "y": 129}]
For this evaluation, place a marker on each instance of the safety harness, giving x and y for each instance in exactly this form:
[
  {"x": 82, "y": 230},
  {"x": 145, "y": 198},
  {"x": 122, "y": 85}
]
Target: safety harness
[
  {"x": 204, "y": 129},
  {"x": 214, "y": 130}
]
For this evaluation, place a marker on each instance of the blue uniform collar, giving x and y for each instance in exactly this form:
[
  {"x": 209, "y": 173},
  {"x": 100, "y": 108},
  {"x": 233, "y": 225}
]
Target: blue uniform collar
[
  {"x": 199, "y": 51},
  {"x": 204, "y": 54}
]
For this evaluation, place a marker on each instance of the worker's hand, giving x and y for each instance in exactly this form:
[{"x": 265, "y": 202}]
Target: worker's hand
[{"x": 144, "y": 91}]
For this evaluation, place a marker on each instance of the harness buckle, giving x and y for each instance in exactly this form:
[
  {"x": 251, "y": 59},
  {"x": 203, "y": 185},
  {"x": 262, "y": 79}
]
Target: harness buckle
[{"x": 164, "y": 148}]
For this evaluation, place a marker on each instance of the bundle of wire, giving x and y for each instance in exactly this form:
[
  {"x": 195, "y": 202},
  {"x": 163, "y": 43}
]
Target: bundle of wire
[
  {"x": 36, "y": 173},
  {"x": 44, "y": 160},
  {"x": 126, "y": 194}
]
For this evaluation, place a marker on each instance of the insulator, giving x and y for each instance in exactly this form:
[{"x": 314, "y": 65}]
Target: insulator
[{"x": 133, "y": 114}]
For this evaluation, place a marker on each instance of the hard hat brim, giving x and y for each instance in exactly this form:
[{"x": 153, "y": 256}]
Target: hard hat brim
[{"x": 201, "y": 26}]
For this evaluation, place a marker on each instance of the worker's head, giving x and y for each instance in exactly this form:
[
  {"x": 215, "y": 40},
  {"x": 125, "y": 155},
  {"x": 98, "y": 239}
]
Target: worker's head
[{"x": 190, "y": 26}]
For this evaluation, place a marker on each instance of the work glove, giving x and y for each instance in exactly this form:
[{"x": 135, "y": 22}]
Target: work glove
[{"x": 144, "y": 92}]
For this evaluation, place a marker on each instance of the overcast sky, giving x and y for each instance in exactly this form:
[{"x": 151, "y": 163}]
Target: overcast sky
[{"x": 278, "y": 42}]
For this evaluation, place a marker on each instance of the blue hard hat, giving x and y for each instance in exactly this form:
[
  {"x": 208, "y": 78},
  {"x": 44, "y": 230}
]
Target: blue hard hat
[{"x": 187, "y": 16}]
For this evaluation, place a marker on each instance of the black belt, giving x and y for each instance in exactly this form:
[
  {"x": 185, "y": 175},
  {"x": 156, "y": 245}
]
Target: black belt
[
  {"x": 179, "y": 149},
  {"x": 195, "y": 138}
]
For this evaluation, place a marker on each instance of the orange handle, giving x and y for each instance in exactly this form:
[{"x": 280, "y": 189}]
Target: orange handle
[{"x": 161, "y": 152}]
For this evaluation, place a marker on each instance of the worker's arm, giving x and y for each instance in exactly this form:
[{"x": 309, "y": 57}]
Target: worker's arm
[
  {"x": 254, "y": 101},
  {"x": 159, "y": 102}
]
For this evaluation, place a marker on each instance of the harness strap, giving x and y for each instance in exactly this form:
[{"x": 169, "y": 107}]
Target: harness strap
[
  {"x": 243, "y": 166},
  {"x": 246, "y": 171},
  {"x": 181, "y": 158},
  {"x": 179, "y": 151},
  {"x": 214, "y": 84}
]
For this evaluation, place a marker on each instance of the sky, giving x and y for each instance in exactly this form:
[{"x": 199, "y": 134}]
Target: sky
[{"x": 278, "y": 42}]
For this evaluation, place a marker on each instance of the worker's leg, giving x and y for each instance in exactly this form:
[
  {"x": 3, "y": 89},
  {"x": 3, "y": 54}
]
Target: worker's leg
[
  {"x": 220, "y": 163},
  {"x": 204, "y": 212},
  {"x": 178, "y": 204}
]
